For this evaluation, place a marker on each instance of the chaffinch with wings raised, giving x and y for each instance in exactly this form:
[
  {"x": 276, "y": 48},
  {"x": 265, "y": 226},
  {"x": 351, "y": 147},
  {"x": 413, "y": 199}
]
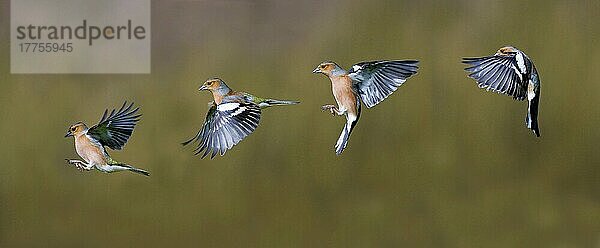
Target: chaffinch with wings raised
[
  {"x": 112, "y": 131},
  {"x": 366, "y": 82},
  {"x": 232, "y": 116},
  {"x": 509, "y": 72}
]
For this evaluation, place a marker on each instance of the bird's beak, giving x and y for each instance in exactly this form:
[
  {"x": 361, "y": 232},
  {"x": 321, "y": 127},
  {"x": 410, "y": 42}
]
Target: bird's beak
[
  {"x": 317, "y": 70},
  {"x": 69, "y": 134},
  {"x": 203, "y": 87}
]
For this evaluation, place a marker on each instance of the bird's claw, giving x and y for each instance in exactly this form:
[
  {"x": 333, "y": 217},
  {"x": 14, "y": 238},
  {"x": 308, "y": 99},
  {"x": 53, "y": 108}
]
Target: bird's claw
[
  {"x": 76, "y": 163},
  {"x": 326, "y": 107},
  {"x": 329, "y": 107}
]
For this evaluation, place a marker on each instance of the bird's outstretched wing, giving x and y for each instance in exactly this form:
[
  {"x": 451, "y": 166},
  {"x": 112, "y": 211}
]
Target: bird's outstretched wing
[
  {"x": 376, "y": 80},
  {"x": 225, "y": 126},
  {"x": 114, "y": 129},
  {"x": 499, "y": 73}
]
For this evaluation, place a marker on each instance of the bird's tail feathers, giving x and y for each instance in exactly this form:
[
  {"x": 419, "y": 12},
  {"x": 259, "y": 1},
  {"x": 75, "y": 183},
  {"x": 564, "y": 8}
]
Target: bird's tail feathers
[
  {"x": 273, "y": 102},
  {"x": 130, "y": 168},
  {"x": 342, "y": 141},
  {"x": 532, "y": 116},
  {"x": 139, "y": 171}
]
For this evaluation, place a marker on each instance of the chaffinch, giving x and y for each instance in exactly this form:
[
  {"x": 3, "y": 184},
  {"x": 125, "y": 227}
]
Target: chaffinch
[
  {"x": 366, "y": 82},
  {"x": 232, "y": 116},
  {"x": 113, "y": 131},
  {"x": 509, "y": 72}
]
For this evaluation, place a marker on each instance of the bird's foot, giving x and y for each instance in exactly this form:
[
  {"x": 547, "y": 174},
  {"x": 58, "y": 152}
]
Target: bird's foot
[
  {"x": 80, "y": 165},
  {"x": 332, "y": 109},
  {"x": 72, "y": 161}
]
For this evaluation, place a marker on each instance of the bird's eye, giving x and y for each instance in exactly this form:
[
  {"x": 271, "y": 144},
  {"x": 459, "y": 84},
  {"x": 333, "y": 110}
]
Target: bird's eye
[
  {"x": 72, "y": 129},
  {"x": 323, "y": 66}
]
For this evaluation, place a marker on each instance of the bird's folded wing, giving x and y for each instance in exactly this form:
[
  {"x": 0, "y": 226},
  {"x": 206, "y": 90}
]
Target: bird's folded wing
[
  {"x": 376, "y": 80},
  {"x": 225, "y": 126},
  {"x": 498, "y": 73},
  {"x": 114, "y": 129}
]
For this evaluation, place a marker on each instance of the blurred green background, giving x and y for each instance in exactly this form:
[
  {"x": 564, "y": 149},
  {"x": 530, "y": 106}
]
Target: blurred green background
[{"x": 440, "y": 163}]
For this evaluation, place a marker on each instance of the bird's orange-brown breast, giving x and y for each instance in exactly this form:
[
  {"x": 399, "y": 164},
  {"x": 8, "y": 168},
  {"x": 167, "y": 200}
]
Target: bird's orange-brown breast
[
  {"x": 89, "y": 151},
  {"x": 343, "y": 93},
  {"x": 217, "y": 97}
]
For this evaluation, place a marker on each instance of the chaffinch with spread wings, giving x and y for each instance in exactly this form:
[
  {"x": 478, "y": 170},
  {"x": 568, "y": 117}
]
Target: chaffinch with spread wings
[
  {"x": 113, "y": 131},
  {"x": 366, "y": 82},
  {"x": 509, "y": 72},
  {"x": 232, "y": 116}
]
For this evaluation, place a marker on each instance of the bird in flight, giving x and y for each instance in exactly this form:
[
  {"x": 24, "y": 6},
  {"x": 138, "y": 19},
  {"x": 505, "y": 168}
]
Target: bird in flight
[
  {"x": 367, "y": 82},
  {"x": 509, "y": 72},
  {"x": 232, "y": 116},
  {"x": 113, "y": 131}
]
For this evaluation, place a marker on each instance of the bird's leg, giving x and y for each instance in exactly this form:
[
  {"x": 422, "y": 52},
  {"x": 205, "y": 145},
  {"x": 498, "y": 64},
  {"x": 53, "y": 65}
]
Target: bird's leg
[
  {"x": 74, "y": 162},
  {"x": 80, "y": 165},
  {"x": 332, "y": 109}
]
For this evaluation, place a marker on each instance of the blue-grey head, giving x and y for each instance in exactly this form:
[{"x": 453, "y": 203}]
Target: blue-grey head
[
  {"x": 329, "y": 68},
  {"x": 215, "y": 85},
  {"x": 76, "y": 129}
]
